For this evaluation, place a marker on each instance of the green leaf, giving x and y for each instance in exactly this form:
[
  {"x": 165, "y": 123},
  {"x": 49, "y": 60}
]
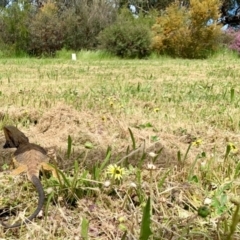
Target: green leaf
[
  {"x": 146, "y": 125},
  {"x": 75, "y": 177},
  {"x": 84, "y": 228},
  {"x": 69, "y": 147},
  {"x": 185, "y": 156},
  {"x": 5, "y": 167},
  {"x": 143, "y": 157},
  {"x": 145, "y": 231},
  {"x": 191, "y": 176},
  {"x": 194, "y": 178},
  {"x": 88, "y": 145},
  {"x": 138, "y": 86},
  {"x": 154, "y": 138},
  {"x": 65, "y": 179},
  {"x": 203, "y": 211},
  {"x": 49, "y": 199},
  {"x": 162, "y": 180},
  {"x": 107, "y": 158},
  {"x": 228, "y": 150},
  {"x": 232, "y": 95},
  {"x": 133, "y": 139},
  {"x": 237, "y": 170},
  {"x": 96, "y": 172},
  {"x": 124, "y": 236},
  {"x": 179, "y": 157},
  {"x": 158, "y": 153}
]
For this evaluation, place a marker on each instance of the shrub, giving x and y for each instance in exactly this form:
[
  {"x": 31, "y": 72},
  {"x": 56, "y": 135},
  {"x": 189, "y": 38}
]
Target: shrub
[
  {"x": 46, "y": 31},
  {"x": 234, "y": 40},
  {"x": 127, "y": 38},
  {"x": 14, "y": 22},
  {"x": 147, "y": 5},
  {"x": 183, "y": 32},
  {"x": 84, "y": 22}
]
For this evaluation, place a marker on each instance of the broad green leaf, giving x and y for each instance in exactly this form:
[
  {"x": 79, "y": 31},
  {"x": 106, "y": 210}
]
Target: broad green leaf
[
  {"x": 145, "y": 231},
  {"x": 84, "y": 228}
]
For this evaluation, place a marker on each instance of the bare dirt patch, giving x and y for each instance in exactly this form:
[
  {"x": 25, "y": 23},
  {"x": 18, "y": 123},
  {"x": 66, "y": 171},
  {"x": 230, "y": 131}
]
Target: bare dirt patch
[{"x": 52, "y": 127}]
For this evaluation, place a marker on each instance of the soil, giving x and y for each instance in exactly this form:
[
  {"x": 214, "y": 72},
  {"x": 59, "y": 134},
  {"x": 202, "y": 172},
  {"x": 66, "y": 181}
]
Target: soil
[{"x": 51, "y": 129}]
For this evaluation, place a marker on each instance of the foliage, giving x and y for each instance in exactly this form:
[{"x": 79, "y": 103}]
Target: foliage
[
  {"x": 127, "y": 37},
  {"x": 188, "y": 33},
  {"x": 84, "y": 21},
  {"x": 145, "y": 231},
  {"x": 46, "y": 32},
  {"x": 14, "y": 33},
  {"x": 147, "y": 5},
  {"x": 43, "y": 31},
  {"x": 233, "y": 40}
]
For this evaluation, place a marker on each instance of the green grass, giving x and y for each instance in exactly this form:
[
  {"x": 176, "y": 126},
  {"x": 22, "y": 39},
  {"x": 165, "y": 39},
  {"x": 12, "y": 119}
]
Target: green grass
[
  {"x": 172, "y": 124},
  {"x": 85, "y": 55}
]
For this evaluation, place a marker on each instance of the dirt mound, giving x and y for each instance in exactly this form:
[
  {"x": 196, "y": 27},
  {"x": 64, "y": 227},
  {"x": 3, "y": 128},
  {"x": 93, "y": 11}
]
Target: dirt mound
[
  {"x": 52, "y": 128},
  {"x": 61, "y": 121},
  {"x": 58, "y": 123},
  {"x": 19, "y": 114}
]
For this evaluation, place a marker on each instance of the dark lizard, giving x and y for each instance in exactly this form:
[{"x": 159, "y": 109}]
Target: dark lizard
[{"x": 29, "y": 158}]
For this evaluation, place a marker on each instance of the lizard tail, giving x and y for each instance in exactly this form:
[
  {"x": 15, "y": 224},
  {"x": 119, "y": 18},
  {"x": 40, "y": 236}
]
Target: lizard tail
[{"x": 38, "y": 185}]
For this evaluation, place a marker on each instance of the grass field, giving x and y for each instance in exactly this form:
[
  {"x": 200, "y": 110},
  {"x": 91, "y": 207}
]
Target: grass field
[{"x": 171, "y": 126}]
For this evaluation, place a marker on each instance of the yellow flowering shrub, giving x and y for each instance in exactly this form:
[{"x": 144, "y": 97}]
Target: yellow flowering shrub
[{"x": 186, "y": 32}]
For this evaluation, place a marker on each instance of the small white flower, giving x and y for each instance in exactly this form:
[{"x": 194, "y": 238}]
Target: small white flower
[
  {"x": 49, "y": 190},
  {"x": 151, "y": 166},
  {"x": 152, "y": 154},
  {"x": 207, "y": 201},
  {"x": 133, "y": 185},
  {"x": 107, "y": 183},
  {"x": 203, "y": 164}
]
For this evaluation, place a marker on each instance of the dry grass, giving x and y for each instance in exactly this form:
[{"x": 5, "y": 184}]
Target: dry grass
[{"x": 167, "y": 104}]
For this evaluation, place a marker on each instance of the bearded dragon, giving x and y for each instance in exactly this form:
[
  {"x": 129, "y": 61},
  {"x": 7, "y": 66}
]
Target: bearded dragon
[{"x": 29, "y": 158}]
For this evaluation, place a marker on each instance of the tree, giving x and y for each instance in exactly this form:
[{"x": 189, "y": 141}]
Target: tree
[
  {"x": 185, "y": 32},
  {"x": 146, "y": 5}
]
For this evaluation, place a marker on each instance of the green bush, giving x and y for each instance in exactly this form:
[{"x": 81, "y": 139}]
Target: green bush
[
  {"x": 183, "y": 32},
  {"x": 127, "y": 38},
  {"x": 14, "y": 33},
  {"x": 46, "y": 31},
  {"x": 148, "y": 5},
  {"x": 84, "y": 22}
]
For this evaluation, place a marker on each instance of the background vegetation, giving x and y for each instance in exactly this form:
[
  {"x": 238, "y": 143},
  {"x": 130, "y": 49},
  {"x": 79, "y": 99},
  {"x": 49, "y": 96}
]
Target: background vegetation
[
  {"x": 184, "y": 32},
  {"x": 181, "y": 29}
]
